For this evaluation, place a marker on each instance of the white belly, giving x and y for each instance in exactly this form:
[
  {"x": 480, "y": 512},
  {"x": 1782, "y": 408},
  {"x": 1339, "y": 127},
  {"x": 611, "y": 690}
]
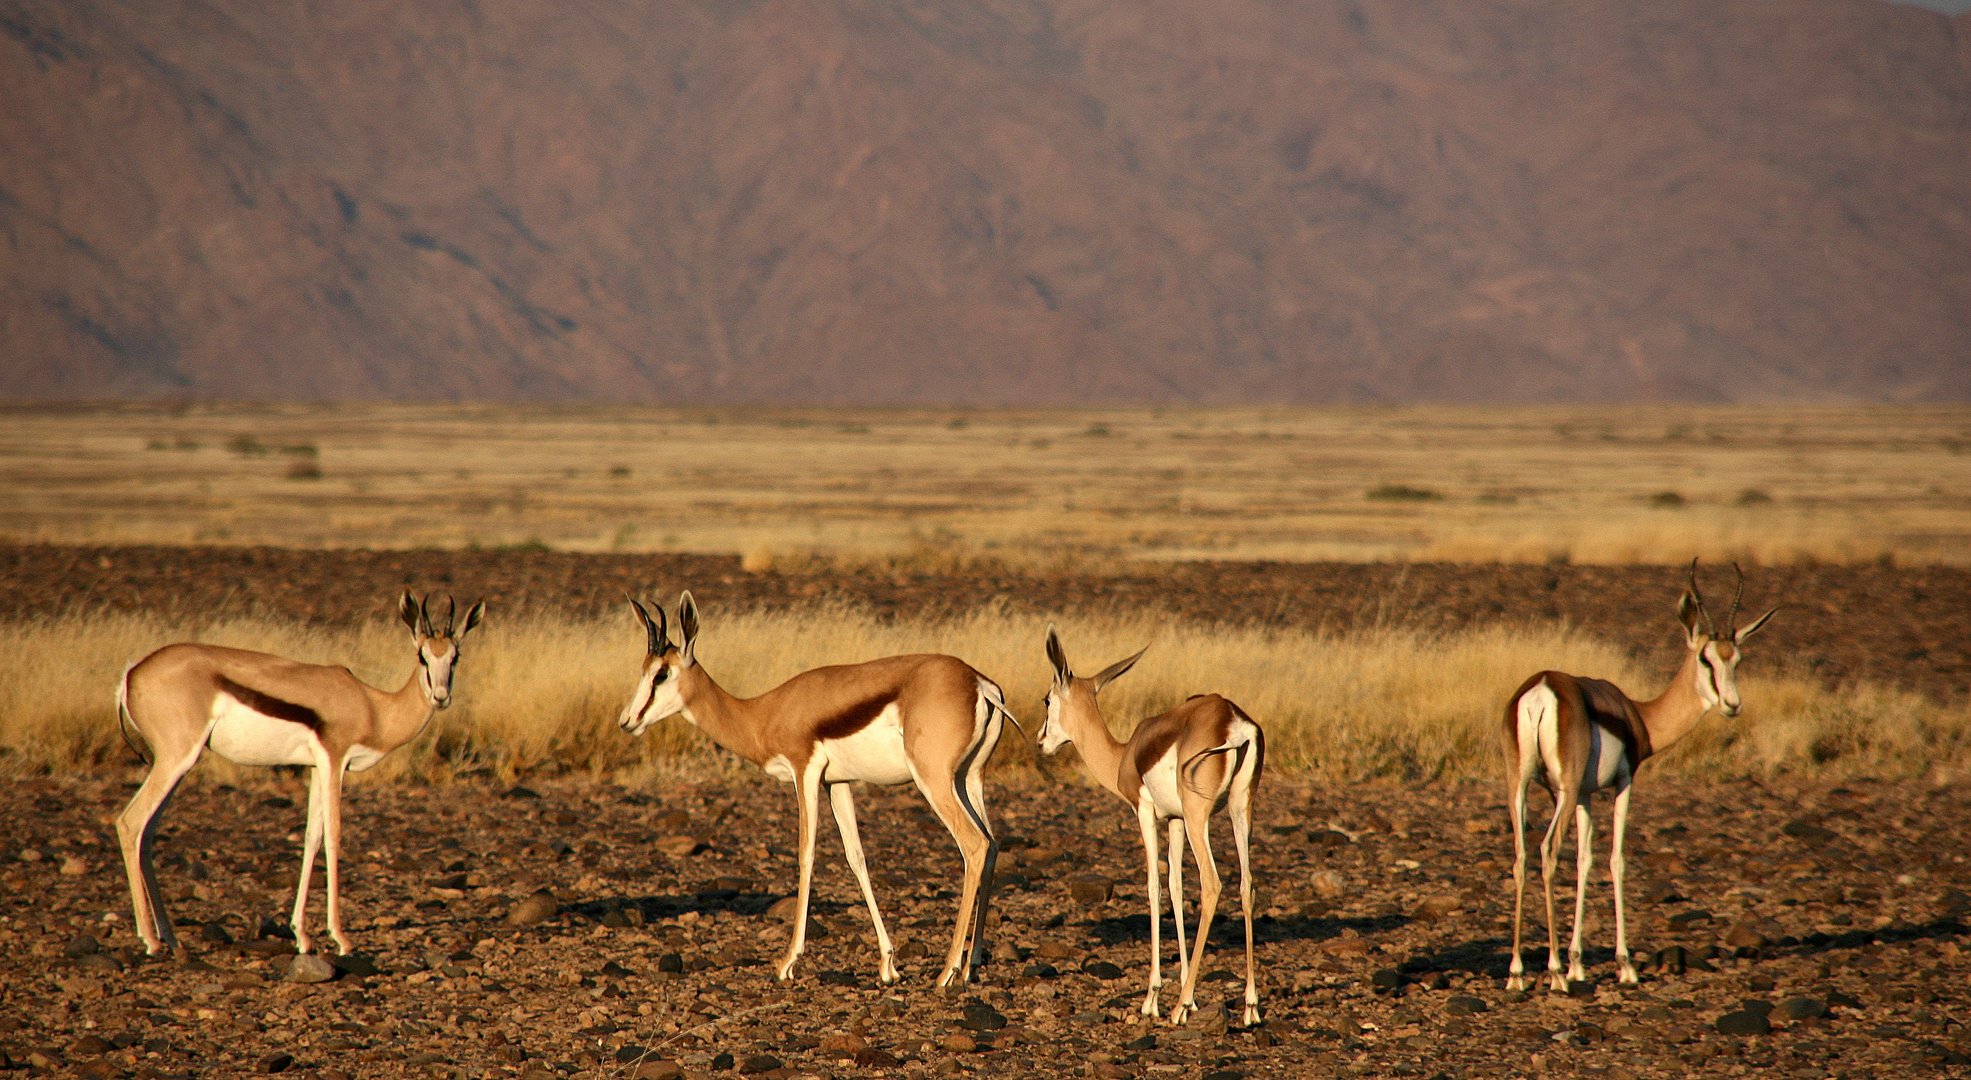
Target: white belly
[
  {"x": 1161, "y": 783},
  {"x": 874, "y": 754},
  {"x": 362, "y": 757},
  {"x": 1609, "y": 760},
  {"x": 246, "y": 737}
]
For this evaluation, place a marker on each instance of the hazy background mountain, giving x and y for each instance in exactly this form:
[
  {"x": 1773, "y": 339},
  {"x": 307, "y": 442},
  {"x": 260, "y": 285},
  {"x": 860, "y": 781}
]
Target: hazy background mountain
[{"x": 983, "y": 201}]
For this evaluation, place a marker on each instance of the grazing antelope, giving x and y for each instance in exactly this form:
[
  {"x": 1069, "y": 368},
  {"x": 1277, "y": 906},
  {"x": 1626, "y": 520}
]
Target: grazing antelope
[
  {"x": 923, "y": 718},
  {"x": 1579, "y": 736},
  {"x": 1179, "y": 766},
  {"x": 256, "y": 709}
]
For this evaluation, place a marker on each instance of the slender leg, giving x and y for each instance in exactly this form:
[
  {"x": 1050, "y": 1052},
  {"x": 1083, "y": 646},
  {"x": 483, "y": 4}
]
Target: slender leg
[
  {"x": 843, "y": 802},
  {"x": 1584, "y": 850},
  {"x": 1617, "y": 869},
  {"x": 1197, "y": 826},
  {"x": 1516, "y": 810},
  {"x": 136, "y": 834},
  {"x": 1174, "y": 853},
  {"x": 332, "y": 847},
  {"x": 1146, "y": 820},
  {"x": 808, "y": 787},
  {"x": 1239, "y": 808},
  {"x": 958, "y": 802},
  {"x": 973, "y": 792},
  {"x": 1549, "y": 863},
  {"x": 310, "y": 844}
]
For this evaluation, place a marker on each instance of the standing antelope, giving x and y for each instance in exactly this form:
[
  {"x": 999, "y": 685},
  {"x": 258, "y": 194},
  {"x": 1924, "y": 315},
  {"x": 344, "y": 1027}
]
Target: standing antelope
[
  {"x": 1179, "y": 766},
  {"x": 256, "y": 709},
  {"x": 1579, "y": 736},
  {"x": 923, "y": 718}
]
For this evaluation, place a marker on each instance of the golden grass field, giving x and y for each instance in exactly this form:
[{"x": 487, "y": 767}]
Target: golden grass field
[
  {"x": 1024, "y": 487},
  {"x": 542, "y": 694}
]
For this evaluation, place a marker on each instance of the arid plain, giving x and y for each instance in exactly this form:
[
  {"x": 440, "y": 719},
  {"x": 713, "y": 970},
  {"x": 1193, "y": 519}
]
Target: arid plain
[{"x": 531, "y": 894}]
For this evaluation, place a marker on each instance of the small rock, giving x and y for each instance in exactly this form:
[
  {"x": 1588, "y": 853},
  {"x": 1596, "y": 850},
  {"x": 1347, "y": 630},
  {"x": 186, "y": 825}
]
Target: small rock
[
  {"x": 1432, "y": 908},
  {"x": 1810, "y": 832},
  {"x": 91, "y": 1045},
  {"x": 1006, "y": 952},
  {"x": 274, "y": 1063},
  {"x": 28, "y": 854},
  {"x": 959, "y": 1043},
  {"x": 979, "y": 1016},
  {"x": 872, "y": 1058},
  {"x": 1743, "y": 1023},
  {"x": 537, "y": 908},
  {"x": 1102, "y": 969},
  {"x": 1464, "y": 1005},
  {"x": 1836, "y": 999},
  {"x": 1687, "y": 919},
  {"x": 214, "y": 934},
  {"x": 671, "y": 962},
  {"x": 1147, "y": 1042},
  {"x": 308, "y": 968},
  {"x": 356, "y": 964},
  {"x": 518, "y": 792},
  {"x": 657, "y": 1070},
  {"x": 721, "y": 1061},
  {"x": 1328, "y": 884},
  {"x": 74, "y": 866},
  {"x": 99, "y": 1069},
  {"x": 1090, "y": 889},
  {"x": 1386, "y": 979},
  {"x": 1757, "y": 1005},
  {"x": 785, "y": 909},
  {"x": 679, "y": 846},
  {"x": 1746, "y": 934},
  {"x": 1054, "y": 950},
  {"x": 81, "y": 945},
  {"x": 1801, "y": 1008},
  {"x": 759, "y": 1063},
  {"x": 846, "y": 1042}
]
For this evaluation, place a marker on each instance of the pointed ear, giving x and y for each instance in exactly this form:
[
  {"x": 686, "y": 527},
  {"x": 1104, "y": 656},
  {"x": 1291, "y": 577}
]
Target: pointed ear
[
  {"x": 407, "y": 610},
  {"x": 1108, "y": 674},
  {"x": 1058, "y": 657},
  {"x": 687, "y": 626},
  {"x": 655, "y": 633},
  {"x": 1689, "y": 614},
  {"x": 1749, "y": 629},
  {"x": 472, "y": 618}
]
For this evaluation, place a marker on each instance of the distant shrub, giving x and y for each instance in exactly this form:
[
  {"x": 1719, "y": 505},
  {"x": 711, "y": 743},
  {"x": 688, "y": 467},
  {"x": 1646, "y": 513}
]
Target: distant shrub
[
  {"x": 306, "y": 449},
  {"x": 1666, "y": 499},
  {"x": 1753, "y": 497},
  {"x": 1402, "y": 493},
  {"x": 306, "y": 469},
  {"x": 246, "y": 446},
  {"x": 619, "y": 471},
  {"x": 1098, "y": 431}
]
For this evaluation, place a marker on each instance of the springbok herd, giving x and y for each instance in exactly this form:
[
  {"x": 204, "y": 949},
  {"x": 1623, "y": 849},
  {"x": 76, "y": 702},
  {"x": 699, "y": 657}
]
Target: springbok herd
[{"x": 928, "y": 719}]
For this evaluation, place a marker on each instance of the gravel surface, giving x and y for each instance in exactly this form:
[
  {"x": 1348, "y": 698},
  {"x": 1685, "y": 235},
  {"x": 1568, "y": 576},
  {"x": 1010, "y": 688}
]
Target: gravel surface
[{"x": 587, "y": 930}]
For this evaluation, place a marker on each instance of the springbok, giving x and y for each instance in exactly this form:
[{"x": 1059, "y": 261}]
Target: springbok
[
  {"x": 1179, "y": 766},
  {"x": 924, "y": 718},
  {"x": 1579, "y": 736},
  {"x": 256, "y": 709}
]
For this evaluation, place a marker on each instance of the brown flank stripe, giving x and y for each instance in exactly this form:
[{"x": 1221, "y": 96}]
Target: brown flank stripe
[
  {"x": 269, "y": 705},
  {"x": 854, "y": 718}
]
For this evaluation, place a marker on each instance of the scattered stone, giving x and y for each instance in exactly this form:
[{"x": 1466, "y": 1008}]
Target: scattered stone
[
  {"x": 1687, "y": 919},
  {"x": 81, "y": 945},
  {"x": 1433, "y": 908},
  {"x": 274, "y": 1063},
  {"x": 978, "y": 1016},
  {"x": 1090, "y": 888},
  {"x": 1385, "y": 980},
  {"x": 1054, "y": 950},
  {"x": 90, "y": 1046},
  {"x": 214, "y": 934},
  {"x": 518, "y": 792},
  {"x": 1465, "y": 1005},
  {"x": 1837, "y": 999},
  {"x": 671, "y": 963},
  {"x": 1743, "y": 1022},
  {"x": 1810, "y": 832},
  {"x": 356, "y": 964},
  {"x": 845, "y": 1042},
  {"x": 721, "y": 1061},
  {"x": 959, "y": 1043},
  {"x": 74, "y": 866},
  {"x": 759, "y": 1063},
  {"x": 1328, "y": 884},
  {"x": 1801, "y": 1008},
  {"x": 872, "y": 1058},
  {"x": 785, "y": 909},
  {"x": 657, "y": 1070},
  {"x": 309, "y": 968},
  {"x": 1746, "y": 935},
  {"x": 537, "y": 908},
  {"x": 679, "y": 846},
  {"x": 30, "y": 855},
  {"x": 1102, "y": 969}
]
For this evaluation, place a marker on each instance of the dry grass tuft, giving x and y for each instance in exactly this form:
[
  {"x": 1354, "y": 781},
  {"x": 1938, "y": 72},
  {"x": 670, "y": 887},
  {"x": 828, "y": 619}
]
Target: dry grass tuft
[{"x": 541, "y": 695}]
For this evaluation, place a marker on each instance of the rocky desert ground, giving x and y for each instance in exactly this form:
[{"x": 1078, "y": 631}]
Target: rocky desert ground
[{"x": 569, "y": 927}]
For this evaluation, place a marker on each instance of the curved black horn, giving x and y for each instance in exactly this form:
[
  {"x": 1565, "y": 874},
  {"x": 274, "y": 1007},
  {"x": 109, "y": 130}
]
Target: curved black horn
[
  {"x": 1731, "y": 619},
  {"x": 424, "y": 615},
  {"x": 1698, "y": 595},
  {"x": 451, "y": 613},
  {"x": 656, "y": 631}
]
